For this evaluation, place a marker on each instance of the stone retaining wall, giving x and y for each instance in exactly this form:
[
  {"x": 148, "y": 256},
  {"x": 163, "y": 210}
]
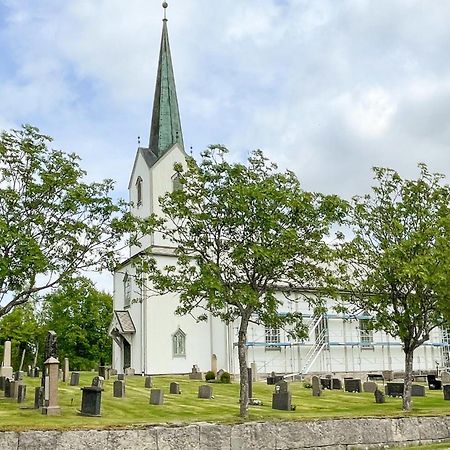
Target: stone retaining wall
[{"x": 339, "y": 434}]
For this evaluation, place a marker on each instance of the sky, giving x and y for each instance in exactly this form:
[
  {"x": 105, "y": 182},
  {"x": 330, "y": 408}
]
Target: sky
[{"x": 325, "y": 88}]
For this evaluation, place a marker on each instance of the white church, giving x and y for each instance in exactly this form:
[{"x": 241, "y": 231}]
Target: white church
[{"x": 148, "y": 338}]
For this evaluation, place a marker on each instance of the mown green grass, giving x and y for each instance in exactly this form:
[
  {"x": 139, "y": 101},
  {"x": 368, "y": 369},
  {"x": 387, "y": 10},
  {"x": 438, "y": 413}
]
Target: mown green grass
[
  {"x": 443, "y": 446},
  {"x": 135, "y": 410}
]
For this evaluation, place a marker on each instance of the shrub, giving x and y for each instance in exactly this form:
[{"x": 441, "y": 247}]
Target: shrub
[
  {"x": 225, "y": 378},
  {"x": 210, "y": 375}
]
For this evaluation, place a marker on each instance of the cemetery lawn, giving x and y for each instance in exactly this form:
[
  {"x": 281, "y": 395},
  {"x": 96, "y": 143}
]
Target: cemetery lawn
[{"x": 135, "y": 410}]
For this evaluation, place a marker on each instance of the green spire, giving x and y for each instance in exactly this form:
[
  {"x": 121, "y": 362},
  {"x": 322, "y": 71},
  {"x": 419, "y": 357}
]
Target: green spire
[{"x": 166, "y": 126}]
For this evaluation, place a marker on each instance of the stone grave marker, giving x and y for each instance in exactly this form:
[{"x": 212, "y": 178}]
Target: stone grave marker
[
  {"x": 91, "y": 401},
  {"x": 148, "y": 382},
  {"x": 446, "y": 390},
  {"x": 30, "y": 372},
  {"x": 66, "y": 370},
  {"x": 316, "y": 390},
  {"x": 352, "y": 385},
  {"x": 6, "y": 370},
  {"x": 250, "y": 382},
  {"x": 18, "y": 376},
  {"x": 21, "y": 393},
  {"x": 379, "y": 396},
  {"x": 74, "y": 379},
  {"x": 38, "y": 397},
  {"x": 97, "y": 382},
  {"x": 156, "y": 397},
  {"x": 60, "y": 374},
  {"x": 113, "y": 372},
  {"x": 325, "y": 383},
  {"x": 214, "y": 363},
  {"x": 119, "y": 389},
  {"x": 205, "y": 391},
  {"x": 174, "y": 388},
  {"x": 2, "y": 383},
  {"x": 14, "y": 386},
  {"x": 445, "y": 377},
  {"x": 51, "y": 407},
  {"x": 418, "y": 390},
  {"x": 394, "y": 389},
  {"x": 37, "y": 372},
  {"x": 121, "y": 376},
  {"x": 274, "y": 378},
  {"x": 254, "y": 371},
  {"x": 195, "y": 373},
  {"x": 282, "y": 398},
  {"x": 388, "y": 375},
  {"x": 103, "y": 371},
  {"x": 129, "y": 371},
  {"x": 7, "y": 389},
  {"x": 370, "y": 386},
  {"x": 336, "y": 383}
]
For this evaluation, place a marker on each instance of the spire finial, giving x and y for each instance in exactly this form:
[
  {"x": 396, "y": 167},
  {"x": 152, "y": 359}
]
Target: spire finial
[{"x": 165, "y": 5}]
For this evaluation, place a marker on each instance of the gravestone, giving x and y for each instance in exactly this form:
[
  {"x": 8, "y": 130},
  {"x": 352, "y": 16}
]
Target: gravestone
[
  {"x": 315, "y": 382},
  {"x": 254, "y": 371},
  {"x": 274, "y": 378},
  {"x": 282, "y": 398},
  {"x": 2, "y": 383},
  {"x": 205, "y": 391},
  {"x": 352, "y": 385},
  {"x": 37, "y": 372},
  {"x": 130, "y": 371},
  {"x": 60, "y": 374},
  {"x": 370, "y": 386},
  {"x": 433, "y": 383},
  {"x": 121, "y": 376},
  {"x": 119, "y": 389},
  {"x": 394, "y": 389},
  {"x": 213, "y": 363},
  {"x": 103, "y": 371},
  {"x": 388, "y": 375},
  {"x": 51, "y": 345},
  {"x": 446, "y": 390},
  {"x": 14, "y": 386},
  {"x": 74, "y": 379},
  {"x": 148, "y": 382},
  {"x": 21, "y": 393},
  {"x": 113, "y": 372},
  {"x": 379, "y": 396},
  {"x": 250, "y": 382},
  {"x": 156, "y": 397},
  {"x": 445, "y": 377},
  {"x": 219, "y": 374},
  {"x": 97, "y": 382},
  {"x": 51, "y": 407},
  {"x": 38, "y": 397},
  {"x": 195, "y": 373},
  {"x": 325, "y": 383},
  {"x": 18, "y": 376},
  {"x": 418, "y": 390},
  {"x": 174, "y": 388},
  {"x": 91, "y": 401},
  {"x": 6, "y": 370},
  {"x": 336, "y": 383},
  {"x": 66, "y": 370},
  {"x": 7, "y": 389}
]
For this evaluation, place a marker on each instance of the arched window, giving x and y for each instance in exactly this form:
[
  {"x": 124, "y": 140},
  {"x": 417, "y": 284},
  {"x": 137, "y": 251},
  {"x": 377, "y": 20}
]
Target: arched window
[
  {"x": 179, "y": 343},
  {"x": 126, "y": 290},
  {"x": 139, "y": 191}
]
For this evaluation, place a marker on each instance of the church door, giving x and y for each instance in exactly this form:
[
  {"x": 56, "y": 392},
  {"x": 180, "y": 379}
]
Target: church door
[{"x": 126, "y": 354}]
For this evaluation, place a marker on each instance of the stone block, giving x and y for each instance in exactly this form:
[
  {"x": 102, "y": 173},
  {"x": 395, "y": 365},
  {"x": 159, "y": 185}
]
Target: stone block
[
  {"x": 98, "y": 382},
  {"x": 205, "y": 391},
  {"x": 282, "y": 401},
  {"x": 2, "y": 383},
  {"x": 370, "y": 386},
  {"x": 9, "y": 440},
  {"x": 352, "y": 385},
  {"x": 129, "y": 371},
  {"x": 316, "y": 386},
  {"x": 21, "y": 393},
  {"x": 38, "y": 440},
  {"x": 91, "y": 401},
  {"x": 83, "y": 439},
  {"x": 156, "y": 397},
  {"x": 379, "y": 396},
  {"x": 336, "y": 383},
  {"x": 186, "y": 437},
  {"x": 125, "y": 439},
  {"x": 7, "y": 388},
  {"x": 446, "y": 390},
  {"x": 148, "y": 382},
  {"x": 445, "y": 377},
  {"x": 418, "y": 390},
  {"x": 254, "y": 436},
  {"x": 38, "y": 397},
  {"x": 219, "y": 435},
  {"x": 325, "y": 383},
  {"x": 394, "y": 389},
  {"x": 119, "y": 389},
  {"x": 174, "y": 388},
  {"x": 74, "y": 379}
]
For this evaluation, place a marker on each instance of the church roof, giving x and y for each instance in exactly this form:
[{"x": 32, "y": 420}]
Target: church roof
[
  {"x": 124, "y": 322},
  {"x": 165, "y": 128}
]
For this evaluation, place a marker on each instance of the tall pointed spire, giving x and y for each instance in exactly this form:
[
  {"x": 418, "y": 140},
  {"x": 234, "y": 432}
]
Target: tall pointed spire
[{"x": 165, "y": 128}]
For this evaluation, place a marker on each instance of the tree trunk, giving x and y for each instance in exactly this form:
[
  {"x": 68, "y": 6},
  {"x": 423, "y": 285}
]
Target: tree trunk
[
  {"x": 243, "y": 373},
  {"x": 409, "y": 354}
]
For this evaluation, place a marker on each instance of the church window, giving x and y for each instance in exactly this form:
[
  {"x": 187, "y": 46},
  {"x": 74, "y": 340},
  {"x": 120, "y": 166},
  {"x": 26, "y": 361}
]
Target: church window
[
  {"x": 139, "y": 191},
  {"x": 365, "y": 334},
  {"x": 272, "y": 339},
  {"x": 176, "y": 184},
  {"x": 179, "y": 343},
  {"x": 126, "y": 290}
]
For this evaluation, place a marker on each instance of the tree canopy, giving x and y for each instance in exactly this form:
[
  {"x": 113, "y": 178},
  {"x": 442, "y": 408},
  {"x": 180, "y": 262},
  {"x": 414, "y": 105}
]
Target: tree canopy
[
  {"x": 241, "y": 232},
  {"x": 397, "y": 259},
  {"x": 52, "y": 223}
]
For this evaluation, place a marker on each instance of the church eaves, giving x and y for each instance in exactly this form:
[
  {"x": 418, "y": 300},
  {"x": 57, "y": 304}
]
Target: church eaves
[{"x": 166, "y": 125}]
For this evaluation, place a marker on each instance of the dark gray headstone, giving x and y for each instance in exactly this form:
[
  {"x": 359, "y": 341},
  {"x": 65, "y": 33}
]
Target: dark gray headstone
[
  {"x": 250, "y": 382},
  {"x": 282, "y": 386},
  {"x": 282, "y": 398},
  {"x": 119, "y": 389},
  {"x": 38, "y": 397},
  {"x": 91, "y": 401},
  {"x": 37, "y": 372},
  {"x": 446, "y": 390},
  {"x": 98, "y": 382},
  {"x": 156, "y": 397},
  {"x": 325, "y": 383},
  {"x": 336, "y": 383},
  {"x": 8, "y": 387},
  {"x": 370, "y": 386},
  {"x": 18, "y": 376},
  {"x": 352, "y": 385},
  {"x": 21, "y": 393},
  {"x": 2, "y": 383},
  {"x": 103, "y": 371},
  {"x": 394, "y": 389},
  {"x": 148, "y": 382},
  {"x": 121, "y": 376},
  {"x": 74, "y": 379},
  {"x": 205, "y": 391},
  {"x": 174, "y": 388},
  {"x": 379, "y": 396},
  {"x": 418, "y": 390},
  {"x": 315, "y": 382},
  {"x": 195, "y": 373},
  {"x": 14, "y": 388}
]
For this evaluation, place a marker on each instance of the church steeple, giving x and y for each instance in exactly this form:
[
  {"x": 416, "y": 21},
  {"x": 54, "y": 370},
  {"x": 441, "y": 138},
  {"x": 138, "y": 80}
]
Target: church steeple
[{"x": 165, "y": 128}]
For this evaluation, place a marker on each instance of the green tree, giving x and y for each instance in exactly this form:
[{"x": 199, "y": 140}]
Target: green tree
[
  {"x": 80, "y": 316},
  {"x": 23, "y": 329},
  {"x": 52, "y": 223},
  {"x": 241, "y": 231},
  {"x": 397, "y": 258}
]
